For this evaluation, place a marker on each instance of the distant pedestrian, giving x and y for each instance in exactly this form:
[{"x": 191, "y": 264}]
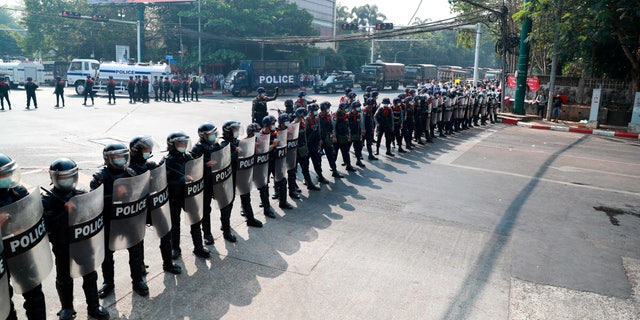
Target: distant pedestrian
[
  {"x": 557, "y": 106},
  {"x": 4, "y": 92},
  {"x": 541, "y": 102},
  {"x": 59, "y": 91},
  {"x": 30, "y": 87}
]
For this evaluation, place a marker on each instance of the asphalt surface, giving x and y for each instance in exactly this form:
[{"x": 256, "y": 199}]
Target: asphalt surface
[{"x": 496, "y": 222}]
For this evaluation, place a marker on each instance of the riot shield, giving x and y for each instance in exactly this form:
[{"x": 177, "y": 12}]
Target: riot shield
[
  {"x": 448, "y": 110},
  {"x": 129, "y": 211},
  {"x": 159, "y": 201},
  {"x": 281, "y": 156},
  {"x": 5, "y": 306},
  {"x": 222, "y": 176},
  {"x": 292, "y": 144},
  {"x": 434, "y": 112},
  {"x": 86, "y": 232},
  {"x": 26, "y": 243},
  {"x": 261, "y": 167},
  {"x": 193, "y": 204},
  {"x": 246, "y": 161}
]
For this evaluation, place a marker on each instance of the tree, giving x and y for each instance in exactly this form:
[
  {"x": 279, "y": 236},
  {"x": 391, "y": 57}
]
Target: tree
[{"x": 9, "y": 39}]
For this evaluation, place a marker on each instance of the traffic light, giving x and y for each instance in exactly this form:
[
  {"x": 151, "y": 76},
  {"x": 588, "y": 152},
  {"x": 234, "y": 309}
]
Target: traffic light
[
  {"x": 99, "y": 18},
  {"x": 350, "y": 26},
  {"x": 70, "y": 14},
  {"x": 384, "y": 26}
]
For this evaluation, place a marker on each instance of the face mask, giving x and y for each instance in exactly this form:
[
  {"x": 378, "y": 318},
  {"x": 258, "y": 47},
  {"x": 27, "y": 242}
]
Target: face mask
[
  {"x": 273, "y": 127},
  {"x": 181, "y": 149},
  {"x": 66, "y": 183},
  {"x": 146, "y": 155},
  {"x": 287, "y": 123},
  {"x": 5, "y": 183},
  {"x": 119, "y": 161},
  {"x": 236, "y": 135},
  {"x": 315, "y": 113},
  {"x": 212, "y": 138},
  {"x": 358, "y": 109}
]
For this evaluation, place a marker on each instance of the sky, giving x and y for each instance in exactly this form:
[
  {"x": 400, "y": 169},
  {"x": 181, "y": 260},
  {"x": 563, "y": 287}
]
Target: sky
[{"x": 400, "y": 14}]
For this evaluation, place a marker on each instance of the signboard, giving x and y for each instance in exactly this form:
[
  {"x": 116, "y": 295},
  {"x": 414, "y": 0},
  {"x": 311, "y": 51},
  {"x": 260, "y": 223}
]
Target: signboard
[
  {"x": 122, "y": 53},
  {"x": 635, "y": 117},
  {"x": 135, "y": 1},
  {"x": 533, "y": 84},
  {"x": 272, "y": 79},
  {"x": 511, "y": 82}
]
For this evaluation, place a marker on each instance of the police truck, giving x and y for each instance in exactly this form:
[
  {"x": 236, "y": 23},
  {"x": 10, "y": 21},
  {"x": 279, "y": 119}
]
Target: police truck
[{"x": 269, "y": 74}]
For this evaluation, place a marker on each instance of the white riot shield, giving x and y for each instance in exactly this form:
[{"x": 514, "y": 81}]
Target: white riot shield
[
  {"x": 129, "y": 211},
  {"x": 261, "y": 166},
  {"x": 433, "y": 108},
  {"x": 222, "y": 176},
  {"x": 293, "y": 132},
  {"x": 86, "y": 232},
  {"x": 26, "y": 243},
  {"x": 5, "y": 306},
  {"x": 448, "y": 110},
  {"x": 193, "y": 196},
  {"x": 159, "y": 201},
  {"x": 281, "y": 156},
  {"x": 246, "y": 161}
]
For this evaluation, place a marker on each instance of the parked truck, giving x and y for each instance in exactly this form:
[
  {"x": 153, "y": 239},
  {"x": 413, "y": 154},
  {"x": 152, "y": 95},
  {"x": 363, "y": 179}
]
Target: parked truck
[
  {"x": 381, "y": 75},
  {"x": 79, "y": 69},
  {"x": 19, "y": 71},
  {"x": 269, "y": 74},
  {"x": 416, "y": 74}
]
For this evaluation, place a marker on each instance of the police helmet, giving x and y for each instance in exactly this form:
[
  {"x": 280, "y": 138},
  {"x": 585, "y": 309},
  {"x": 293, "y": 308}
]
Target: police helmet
[
  {"x": 352, "y": 95},
  {"x": 407, "y": 100},
  {"x": 266, "y": 121},
  {"x": 111, "y": 77},
  {"x": 58, "y": 78},
  {"x": 207, "y": 132},
  {"x": 370, "y": 101},
  {"x": 356, "y": 104},
  {"x": 301, "y": 112},
  {"x": 228, "y": 129},
  {"x": 141, "y": 147},
  {"x": 347, "y": 90},
  {"x": 386, "y": 101},
  {"x": 288, "y": 103},
  {"x": 397, "y": 100},
  {"x": 64, "y": 174},
  {"x": 177, "y": 141},
  {"x": 406, "y": 90},
  {"x": 302, "y": 94},
  {"x": 412, "y": 91},
  {"x": 368, "y": 89},
  {"x": 343, "y": 105},
  {"x": 313, "y": 107},
  {"x": 116, "y": 155},
  {"x": 325, "y": 105},
  {"x": 253, "y": 128},
  {"x": 284, "y": 118},
  {"x": 9, "y": 172},
  {"x": 29, "y": 79},
  {"x": 260, "y": 90},
  {"x": 375, "y": 94}
]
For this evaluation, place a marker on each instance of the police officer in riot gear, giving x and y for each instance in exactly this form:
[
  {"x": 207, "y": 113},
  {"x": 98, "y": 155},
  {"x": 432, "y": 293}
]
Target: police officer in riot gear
[
  {"x": 194, "y": 88},
  {"x": 64, "y": 177},
  {"x": 408, "y": 124},
  {"x": 289, "y": 109},
  {"x": 157, "y": 92},
  {"x": 398, "y": 116},
  {"x": 177, "y": 143},
  {"x": 385, "y": 123},
  {"x": 368, "y": 126},
  {"x": 314, "y": 140},
  {"x": 4, "y": 92},
  {"x": 328, "y": 136},
  {"x": 144, "y": 89},
  {"x": 356, "y": 131},
  {"x": 302, "y": 101},
  {"x": 245, "y": 199},
  {"x": 116, "y": 159},
  {"x": 302, "y": 152},
  {"x": 88, "y": 90},
  {"x": 166, "y": 88},
  {"x": 207, "y": 143},
  {"x": 11, "y": 191},
  {"x": 343, "y": 136},
  {"x": 111, "y": 90},
  {"x": 268, "y": 128},
  {"x": 59, "y": 91},
  {"x": 281, "y": 186},
  {"x": 30, "y": 87},
  {"x": 141, "y": 149},
  {"x": 131, "y": 88},
  {"x": 259, "y": 106}
]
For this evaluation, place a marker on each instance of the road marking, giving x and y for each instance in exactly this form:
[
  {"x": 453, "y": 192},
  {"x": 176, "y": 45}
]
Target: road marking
[
  {"x": 545, "y": 180},
  {"x": 451, "y": 156},
  {"x": 576, "y": 169}
]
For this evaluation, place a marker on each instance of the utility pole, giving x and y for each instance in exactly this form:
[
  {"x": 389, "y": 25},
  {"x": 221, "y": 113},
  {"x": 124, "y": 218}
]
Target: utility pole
[
  {"x": 476, "y": 58},
  {"x": 199, "y": 42},
  {"x": 523, "y": 62},
  {"x": 554, "y": 60},
  {"x": 140, "y": 32}
]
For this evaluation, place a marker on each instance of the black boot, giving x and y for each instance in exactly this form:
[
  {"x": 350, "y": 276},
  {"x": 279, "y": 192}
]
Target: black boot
[
  {"x": 65, "y": 293},
  {"x": 245, "y": 201},
  {"x": 322, "y": 179},
  {"x": 282, "y": 197},
  {"x": 105, "y": 290},
  {"x": 266, "y": 205},
  {"x": 310, "y": 185},
  {"x": 90, "y": 288}
]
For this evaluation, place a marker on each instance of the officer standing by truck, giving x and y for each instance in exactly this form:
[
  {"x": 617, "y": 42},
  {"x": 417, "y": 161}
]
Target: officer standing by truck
[
  {"x": 30, "y": 87},
  {"x": 259, "y": 107},
  {"x": 88, "y": 90},
  {"x": 59, "y": 91},
  {"x": 111, "y": 90},
  {"x": 4, "y": 92}
]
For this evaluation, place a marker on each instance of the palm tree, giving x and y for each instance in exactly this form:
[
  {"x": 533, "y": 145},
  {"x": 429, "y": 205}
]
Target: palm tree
[{"x": 367, "y": 15}]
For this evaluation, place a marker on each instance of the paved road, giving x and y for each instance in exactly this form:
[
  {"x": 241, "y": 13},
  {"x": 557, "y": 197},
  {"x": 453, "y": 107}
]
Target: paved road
[{"x": 496, "y": 222}]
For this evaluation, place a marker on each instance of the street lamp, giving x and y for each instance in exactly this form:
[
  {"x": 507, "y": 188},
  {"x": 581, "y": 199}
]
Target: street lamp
[{"x": 395, "y": 57}]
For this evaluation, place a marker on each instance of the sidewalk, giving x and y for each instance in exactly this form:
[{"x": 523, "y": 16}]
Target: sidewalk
[{"x": 534, "y": 122}]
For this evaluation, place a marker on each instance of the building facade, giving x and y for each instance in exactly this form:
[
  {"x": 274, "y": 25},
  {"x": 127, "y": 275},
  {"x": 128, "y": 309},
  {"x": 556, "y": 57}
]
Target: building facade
[{"x": 323, "y": 12}]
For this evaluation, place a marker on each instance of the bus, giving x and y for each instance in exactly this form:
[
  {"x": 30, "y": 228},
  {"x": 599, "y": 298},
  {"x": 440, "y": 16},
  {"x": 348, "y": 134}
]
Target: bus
[{"x": 452, "y": 74}]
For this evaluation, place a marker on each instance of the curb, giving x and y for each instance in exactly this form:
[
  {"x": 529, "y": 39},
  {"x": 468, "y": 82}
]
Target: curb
[{"x": 619, "y": 134}]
